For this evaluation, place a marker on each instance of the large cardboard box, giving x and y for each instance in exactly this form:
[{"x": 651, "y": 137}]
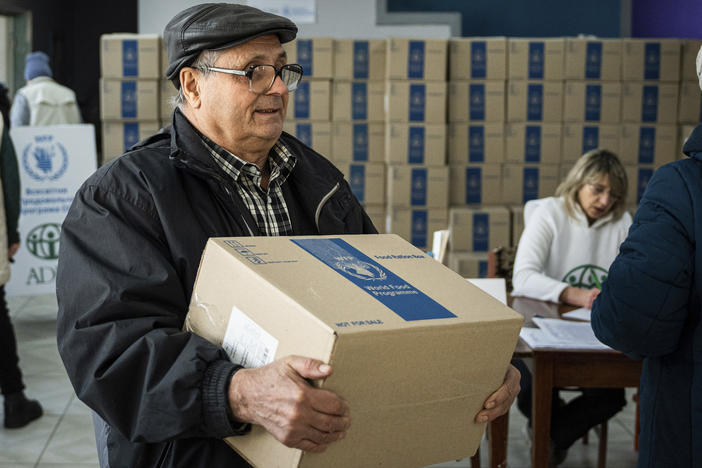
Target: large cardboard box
[
  {"x": 358, "y": 141},
  {"x": 479, "y": 229},
  {"x": 517, "y": 217},
  {"x": 359, "y": 100},
  {"x": 597, "y": 102},
  {"x": 593, "y": 59},
  {"x": 651, "y": 60},
  {"x": 315, "y": 134},
  {"x": 524, "y": 182},
  {"x": 423, "y": 144},
  {"x": 638, "y": 177},
  {"x": 648, "y": 144},
  {"x": 535, "y": 101},
  {"x": 478, "y": 58},
  {"x": 420, "y": 102},
  {"x": 690, "y": 103},
  {"x": 579, "y": 138},
  {"x": 416, "y": 225},
  {"x": 377, "y": 214},
  {"x": 410, "y": 59},
  {"x": 476, "y": 101},
  {"x": 314, "y": 54},
  {"x": 469, "y": 264},
  {"x": 359, "y": 59},
  {"x": 533, "y": 143},
  {"x": 536, "y": 59},
  {"x": 684, "y": 133},
  {"x": 650, "y": 102},
  {"x": 475, "y": 184},
  {"x": 378, "y": 304},
  {"x": 117, "y": 137},
  {"x": 168, "y": 91},
  {"x": 128, "y": 55},
  {"x": 690, "y": 48},
  {"x": 476, "y": 143},
  {"x": 420, "y": 187},
  {"x": 311, "y": 101},
  {"x": 129, "y": 99},
  {"x": 367, "y": 181}
]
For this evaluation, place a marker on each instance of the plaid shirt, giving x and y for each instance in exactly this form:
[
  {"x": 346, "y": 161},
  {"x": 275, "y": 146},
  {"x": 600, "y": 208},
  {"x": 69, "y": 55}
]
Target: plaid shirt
[{"x": 268, "y": 208}]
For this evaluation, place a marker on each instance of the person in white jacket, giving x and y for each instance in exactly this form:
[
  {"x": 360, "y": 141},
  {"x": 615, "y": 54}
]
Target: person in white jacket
[{"x": 568, "y": 244}]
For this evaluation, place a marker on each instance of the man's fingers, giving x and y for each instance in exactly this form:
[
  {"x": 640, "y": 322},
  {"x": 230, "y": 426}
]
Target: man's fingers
[
  {"x": 327, "y": 402},
  {"x": 309, "y": 368}
]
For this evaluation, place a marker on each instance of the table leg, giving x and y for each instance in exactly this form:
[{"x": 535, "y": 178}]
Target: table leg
[
  {"x": 541, "y": 408},
  {"x": 498, "y": 431}
]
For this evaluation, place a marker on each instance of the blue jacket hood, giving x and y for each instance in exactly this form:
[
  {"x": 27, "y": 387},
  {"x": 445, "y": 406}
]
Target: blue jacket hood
[{"x": 693, "y": 145}]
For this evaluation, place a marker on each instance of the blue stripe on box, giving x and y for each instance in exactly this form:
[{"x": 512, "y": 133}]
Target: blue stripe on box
[
  {"x": 360, "y": 142},
  {"x": 357, "y": 181},
  {"x": 129, "y": 99},
  {"x": 642, "y": 181},
  {"x": 130, "y": 58},
  {"x": 535, "y": 102},
  {"x": 530, "y": 184},
  {"x": 476, "y": 143},
  {"x": 482, "y": 269},
  {"x": 647, "y": 144},
  {"x": 476, "y": 104},
  {"x": 359, "y": 100},
  {"x": 478, "y": 59},
  {"x": 474, "y": 185},
  {"x": 593, "y": 60},
  {"x": 418, "y": 189},
  {"x": 418, "y": 235},
  {"x": 131, "y": 134},
  {"x": 360, "y": 60},
  {"x": 536, "y": 61},
  {"x": 593, "y": 102},
  {"x": 532, "y": 143},
  {"x": 302, "y": 100},
  {"x": 649, "y": 103},
  {"x": 417, "y": 104},
  {"x": 591, "y": 138},
  {"x": 415, "y": 60},
  {"x": 304, "y": 56},
  {"x": 393, "y": 292},
  {"x": 481, "y": 232},
  {"x": 652, "y": 61},
  {"x": 303, "y": 132},
  {"x": 416, "y": 145}
]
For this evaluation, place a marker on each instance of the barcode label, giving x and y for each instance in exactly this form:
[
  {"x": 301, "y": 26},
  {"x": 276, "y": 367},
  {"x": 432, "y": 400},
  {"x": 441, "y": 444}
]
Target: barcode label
[{"x": 246, "y": 343}]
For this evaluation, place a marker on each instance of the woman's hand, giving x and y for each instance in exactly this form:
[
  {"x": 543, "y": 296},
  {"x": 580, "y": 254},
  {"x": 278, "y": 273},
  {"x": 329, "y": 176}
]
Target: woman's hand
[{"x": 579, "y": 297}]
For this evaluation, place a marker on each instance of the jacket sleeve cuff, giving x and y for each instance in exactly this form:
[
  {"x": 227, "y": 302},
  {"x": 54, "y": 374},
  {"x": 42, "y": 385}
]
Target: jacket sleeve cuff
[{"x": 215, "y": 404}]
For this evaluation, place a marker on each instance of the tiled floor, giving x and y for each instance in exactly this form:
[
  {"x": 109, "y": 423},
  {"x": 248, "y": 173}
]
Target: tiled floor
[{"x": 63, "y": 437}]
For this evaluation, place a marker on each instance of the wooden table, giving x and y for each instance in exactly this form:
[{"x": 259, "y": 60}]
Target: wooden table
[{"x": 559, "y": 368}]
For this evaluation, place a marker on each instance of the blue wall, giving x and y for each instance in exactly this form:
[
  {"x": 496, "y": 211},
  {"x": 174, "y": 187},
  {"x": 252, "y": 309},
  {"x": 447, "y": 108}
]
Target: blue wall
[{"x": 526, "y": 18}]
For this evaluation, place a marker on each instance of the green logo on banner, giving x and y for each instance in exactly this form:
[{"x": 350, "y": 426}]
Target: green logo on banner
[
  {"x": 43, "y": 241},
  {"x": 586, "y": 276}
]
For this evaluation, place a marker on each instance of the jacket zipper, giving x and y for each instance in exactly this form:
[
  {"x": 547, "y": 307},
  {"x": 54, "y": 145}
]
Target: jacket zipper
[{"x": 324, "y": 200}]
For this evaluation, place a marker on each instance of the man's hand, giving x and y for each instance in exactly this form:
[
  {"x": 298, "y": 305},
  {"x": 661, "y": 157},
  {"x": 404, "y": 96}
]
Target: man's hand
[
  {"x": 12, "y": 250},
  {"x": 579, "y": 297},
  {"x": 499, "y": 402},
  {"x": 278, "y": 397}
]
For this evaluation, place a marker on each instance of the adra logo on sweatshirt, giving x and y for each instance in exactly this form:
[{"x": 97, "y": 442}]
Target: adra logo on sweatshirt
[{"x": 586, "y": 276}]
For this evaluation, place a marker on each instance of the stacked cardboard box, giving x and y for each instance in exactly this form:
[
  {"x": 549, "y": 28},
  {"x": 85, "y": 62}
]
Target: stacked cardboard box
[
  {"x": 129, "y": 90},
  {"x": 415, "y": 138}
]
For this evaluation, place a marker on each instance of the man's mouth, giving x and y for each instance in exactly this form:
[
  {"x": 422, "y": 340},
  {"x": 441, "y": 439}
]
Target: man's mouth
[{"x": 267, "y": 111}]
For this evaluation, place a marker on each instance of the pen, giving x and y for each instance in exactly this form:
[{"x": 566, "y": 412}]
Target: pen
[{"x": 594, "y": 277}]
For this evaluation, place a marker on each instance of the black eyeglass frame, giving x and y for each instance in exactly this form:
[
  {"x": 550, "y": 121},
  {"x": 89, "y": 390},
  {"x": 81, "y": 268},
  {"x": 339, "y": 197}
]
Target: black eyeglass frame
[{"x": 249, "y": 74}]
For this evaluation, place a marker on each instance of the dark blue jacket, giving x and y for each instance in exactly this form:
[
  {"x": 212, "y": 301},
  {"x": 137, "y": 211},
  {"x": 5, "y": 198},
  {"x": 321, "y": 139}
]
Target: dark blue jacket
[{"x": 650, "y": 308}]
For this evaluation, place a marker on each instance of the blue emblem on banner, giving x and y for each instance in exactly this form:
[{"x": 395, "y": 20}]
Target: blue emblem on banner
[
  {"x": 474, "y": 185},
  {"x": 415, "y": 60},
  {"x": 302, "y": 100},
  {"x": 478, "y": 59},
  {"x": 45, "y": 159},
  {"x": 357, "y": 176},
  {"x": 593, "y": 60},
  {"x": 593, "y": 102},
  {"x": 476, "y": 143},
  {"x": 416, "y": 145},
  {"x": 535, "y": 102},
  {"x": 392, "y": 291},
  {"x": 130, "y": 58},
  {"x": 649, "y": 103},
  {"x": 647, "y": 144},
  {"x": 418, "y": 191},
  {"x": 131, "y": 134},
  {"x": 530, "y": 184},
  {"x": 360, "y": 60},
  {"x": 652, "y": 61},
  {"x": 536, "y": 61},
  {"x": 359, "y": 100},
  {"x": 591, "y": 138},
  {"x": 481, "y": 232},
  {"x": 476, "y": 95},
  {"x": 417, "y": 104},
  {"x": 303, "y": 132},
  {"x": 304, "y": 56},
  {"x": 360, "y": 142},
  {"x": 129, "y": 99}
]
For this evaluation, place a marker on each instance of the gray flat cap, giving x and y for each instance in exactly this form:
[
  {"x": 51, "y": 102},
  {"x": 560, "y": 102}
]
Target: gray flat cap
[{"x": 216, "y": 26}]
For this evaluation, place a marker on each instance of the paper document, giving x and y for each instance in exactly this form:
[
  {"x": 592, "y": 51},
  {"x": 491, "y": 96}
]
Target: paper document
[
  {"x": 495, "y": 287},
  {"x": 561, "y": 334},
  {"x": 578, "y": 314}
]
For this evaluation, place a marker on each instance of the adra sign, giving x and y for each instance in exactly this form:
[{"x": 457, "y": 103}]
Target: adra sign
[{"x": 53, "y": 163}]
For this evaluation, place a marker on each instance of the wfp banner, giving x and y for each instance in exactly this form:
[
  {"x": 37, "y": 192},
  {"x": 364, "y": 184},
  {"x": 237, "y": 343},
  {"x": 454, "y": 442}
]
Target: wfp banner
[{"x": 53, "y": 163}]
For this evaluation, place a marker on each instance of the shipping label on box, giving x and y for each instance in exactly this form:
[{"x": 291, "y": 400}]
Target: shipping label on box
[
  {"x": 648, "y": 144},
  {"x": 117, "y": 137},
  {"x": 469, "y": 264},
  {"x": 579, "y": 138},
  {"x": 690, "y": 103},
  {"x": 416, "y": 102},
  {"x": 597, "y": 102},
  {"x": 476, "y": 101},
  {"x": 650, "y": 102},
  {"x": 476, "y": 143},
  {"x": 423, "y": 144},
  {"x": 377, "y": 299},
  {"x": 315, "y": 55},
  {"x": 478, "y": 58},
  {"x": 593, "y": 59},
  {"x": 533, "y": 101},
  {"x": 417, "y": 225},
  {"x": 359, "y": 100},
  {"x": 533, "y": 143},
  {"x": 524, "y": 182},
  {"x": 475, "y": 184},
  {"x": 130, "y": 56},
  {"x": 316, "y": 135},
  {"x": 690, "y": 48},
  {"x": 358, "y": 142},
  {"x": 129, "y": 99},
  {"x": 651, "y": 60},
  {"x": 359, "y": 60},
  {"x": 536, "y": 59},
  {"x": 516, "y": 213},
  {"x": 377, "y": 214},
  {"x": 479, "y": 229},
  {"x": 684, "y": 133},
  {"x": 367, "y": 181},
  {"x": 168, "y": 92},
  {"x": 311, "y": 101},
  {"x": 422, "y": 187},
  {"x": 409, "y": 59},
  {"x": 638, "y": 177}
]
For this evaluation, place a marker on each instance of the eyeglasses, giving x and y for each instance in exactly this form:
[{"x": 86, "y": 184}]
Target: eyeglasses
[{"x": 262, "y": 77}]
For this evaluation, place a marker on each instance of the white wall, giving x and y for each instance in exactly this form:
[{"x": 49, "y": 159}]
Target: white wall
[{"x": 353, "y": 19}]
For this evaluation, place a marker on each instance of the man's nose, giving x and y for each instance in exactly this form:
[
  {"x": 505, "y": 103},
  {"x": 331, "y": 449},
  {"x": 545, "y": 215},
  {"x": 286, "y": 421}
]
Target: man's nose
[{"x": 278, "y": 87}]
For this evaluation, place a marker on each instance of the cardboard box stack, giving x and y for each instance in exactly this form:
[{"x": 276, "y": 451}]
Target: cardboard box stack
[
  {"x": 415, "y": 138},
  {"x": 130, "y": 68}
]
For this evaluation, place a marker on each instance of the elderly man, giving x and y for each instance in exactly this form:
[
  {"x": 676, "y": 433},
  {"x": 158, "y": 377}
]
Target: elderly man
[{"x": 132, "y": 242}]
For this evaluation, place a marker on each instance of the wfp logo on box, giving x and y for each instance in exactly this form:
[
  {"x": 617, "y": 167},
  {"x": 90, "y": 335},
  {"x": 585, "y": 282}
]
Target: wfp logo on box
[
  {"x": 45, "y": 159},
  {"x": 359, "y": 269}
]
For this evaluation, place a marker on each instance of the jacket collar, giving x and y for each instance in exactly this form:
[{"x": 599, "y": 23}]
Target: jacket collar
[{"x": 693, "y": 145}]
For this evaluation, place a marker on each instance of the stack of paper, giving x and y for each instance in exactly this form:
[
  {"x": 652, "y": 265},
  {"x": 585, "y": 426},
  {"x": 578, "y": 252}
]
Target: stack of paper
[{"x": 561, "y": 334}]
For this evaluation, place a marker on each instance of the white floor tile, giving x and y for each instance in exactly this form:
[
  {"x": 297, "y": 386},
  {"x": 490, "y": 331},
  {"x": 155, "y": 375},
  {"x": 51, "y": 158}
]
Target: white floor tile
[
  {"x": 72, "y": 442},
  {"x": 26, "y": 444}
]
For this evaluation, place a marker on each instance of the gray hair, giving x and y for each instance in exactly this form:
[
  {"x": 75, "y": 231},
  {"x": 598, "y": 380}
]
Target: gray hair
[
  {"x": 207, "y": 58},
  {"x": 589, "y": 169}
]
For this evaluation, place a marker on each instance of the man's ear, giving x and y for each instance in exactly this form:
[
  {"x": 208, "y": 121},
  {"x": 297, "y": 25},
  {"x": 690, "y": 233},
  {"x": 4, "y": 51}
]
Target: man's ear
[{"x": 190, "y": 81}]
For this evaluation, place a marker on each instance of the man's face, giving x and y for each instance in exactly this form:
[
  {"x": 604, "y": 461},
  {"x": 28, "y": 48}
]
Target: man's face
[{"x": 240, "y": 119}]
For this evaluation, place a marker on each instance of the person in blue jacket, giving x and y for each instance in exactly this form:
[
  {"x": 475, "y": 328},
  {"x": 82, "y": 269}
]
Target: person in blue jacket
[{"x": 649, "y": 308}]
